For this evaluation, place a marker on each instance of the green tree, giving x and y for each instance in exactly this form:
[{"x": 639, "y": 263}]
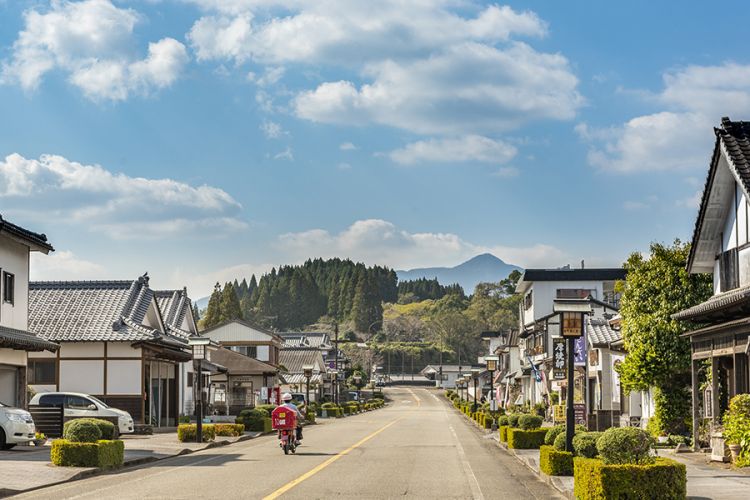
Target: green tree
[
  {"x": 658, "y": 357},
  {"x": 366, "y": 307},
  {"x": 212, "y": 317},
  {"x": 229, "y": 308}
]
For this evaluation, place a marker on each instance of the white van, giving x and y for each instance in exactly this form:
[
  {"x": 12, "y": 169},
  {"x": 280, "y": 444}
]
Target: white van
[
  {"x": 83, "y": 405},
  {"x": 16, "y": 426}
]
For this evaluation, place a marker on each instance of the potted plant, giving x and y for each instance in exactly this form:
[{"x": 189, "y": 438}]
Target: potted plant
[
  {"x": 39, "y": 439},
  {"x": 737, "y": 424}
]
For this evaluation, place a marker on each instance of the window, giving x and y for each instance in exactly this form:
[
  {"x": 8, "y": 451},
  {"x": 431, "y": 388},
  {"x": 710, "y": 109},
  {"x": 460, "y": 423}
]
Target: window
[
  {"x": 190, "y": 379},
  {"x": 42, "y": 371},
  {"x": 248, "y": 350},
  {"x": 575, "y": 293},
  {"x": 9, "y": 283},
  {"x": 728, "y": 264},
  {"x": 77, "y": 403},
  {"x": 528, "y": 301},
  {"x": 52, "y": 400}
]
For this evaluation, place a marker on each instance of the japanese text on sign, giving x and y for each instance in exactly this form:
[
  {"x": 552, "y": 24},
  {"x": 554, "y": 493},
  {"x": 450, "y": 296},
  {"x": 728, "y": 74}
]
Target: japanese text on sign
[{"x": 559, "y": 358}]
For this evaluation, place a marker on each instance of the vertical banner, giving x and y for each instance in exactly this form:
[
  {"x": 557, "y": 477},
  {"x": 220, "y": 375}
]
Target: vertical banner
[
  {"x": 559, "y": 358},
  {"x": 616, "y": 361},
  {"x": 579, "y": 349}
]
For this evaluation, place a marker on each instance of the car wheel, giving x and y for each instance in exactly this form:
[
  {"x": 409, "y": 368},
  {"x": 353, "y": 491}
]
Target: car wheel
[{"x": 3, "y": 444}]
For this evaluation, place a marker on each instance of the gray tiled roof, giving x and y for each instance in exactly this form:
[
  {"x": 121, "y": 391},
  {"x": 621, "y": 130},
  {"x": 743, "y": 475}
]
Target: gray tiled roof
[
  {"x": 40, "y": 240},
  {"x": 294, "y": 359},
  {"x": 600, "y": 332},
  {"x": 174, "y": 305},
  {"x": 80, "y": 311},
  {"x": 12, "y": 338},
  {"x": 317, "y": 340},
  {"x": 716, "y": 303}
]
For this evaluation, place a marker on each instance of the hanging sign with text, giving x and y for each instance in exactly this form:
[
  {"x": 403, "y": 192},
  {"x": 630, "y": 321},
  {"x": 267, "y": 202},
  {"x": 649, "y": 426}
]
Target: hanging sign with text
[{"x": 559, "y": 359}]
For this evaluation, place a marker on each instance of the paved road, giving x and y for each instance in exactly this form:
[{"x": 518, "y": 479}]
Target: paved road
[{"x": 416, "y": 447}]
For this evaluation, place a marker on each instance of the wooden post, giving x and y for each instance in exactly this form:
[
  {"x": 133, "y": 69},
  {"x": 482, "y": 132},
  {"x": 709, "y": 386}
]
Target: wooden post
[
  {"x": 696, "y": 401},
  {"x": 715, "y": 406}
]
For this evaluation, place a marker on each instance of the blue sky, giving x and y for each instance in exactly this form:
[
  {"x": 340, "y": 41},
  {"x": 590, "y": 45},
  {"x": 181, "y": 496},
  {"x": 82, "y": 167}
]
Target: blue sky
[{"x": 201, "y": 140}]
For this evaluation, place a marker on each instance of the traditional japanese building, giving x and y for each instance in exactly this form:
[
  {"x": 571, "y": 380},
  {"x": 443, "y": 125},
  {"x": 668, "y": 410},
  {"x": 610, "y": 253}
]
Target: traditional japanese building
[{"x": 721, "y": 246}]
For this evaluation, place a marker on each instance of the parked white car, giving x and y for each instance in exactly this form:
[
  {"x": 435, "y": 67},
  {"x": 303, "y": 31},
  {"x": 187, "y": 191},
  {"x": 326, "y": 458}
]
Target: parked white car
[
  {"x": 16, "y": 426},
  {"x": 78, "y": 405}
]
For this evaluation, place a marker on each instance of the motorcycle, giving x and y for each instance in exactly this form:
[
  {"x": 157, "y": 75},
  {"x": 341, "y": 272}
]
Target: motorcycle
[{"x": 287, "y": 441}]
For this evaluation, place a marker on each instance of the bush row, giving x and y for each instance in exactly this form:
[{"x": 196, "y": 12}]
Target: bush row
[
  {"x": 104, "y": 454},
  {"x": 595, "y": 480}
]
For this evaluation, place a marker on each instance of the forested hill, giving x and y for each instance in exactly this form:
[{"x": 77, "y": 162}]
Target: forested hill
[{"x": 292, "y": 297}]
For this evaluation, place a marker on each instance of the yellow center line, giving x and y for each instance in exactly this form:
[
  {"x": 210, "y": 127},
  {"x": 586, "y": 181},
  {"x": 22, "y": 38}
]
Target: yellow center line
[{"x": 312, "y": 472}]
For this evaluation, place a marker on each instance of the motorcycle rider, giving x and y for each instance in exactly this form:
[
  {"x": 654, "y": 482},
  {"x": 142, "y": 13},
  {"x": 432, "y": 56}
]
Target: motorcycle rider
[{"x": 287, "y": 402}]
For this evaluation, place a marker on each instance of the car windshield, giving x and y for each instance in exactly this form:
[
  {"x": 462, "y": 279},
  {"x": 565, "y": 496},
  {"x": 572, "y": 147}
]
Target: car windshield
[{"x": 99, "y": 402}]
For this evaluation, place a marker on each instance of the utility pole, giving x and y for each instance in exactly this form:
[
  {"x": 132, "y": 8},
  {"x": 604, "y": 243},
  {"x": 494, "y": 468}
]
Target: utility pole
[{"x": 335, "y": 386}]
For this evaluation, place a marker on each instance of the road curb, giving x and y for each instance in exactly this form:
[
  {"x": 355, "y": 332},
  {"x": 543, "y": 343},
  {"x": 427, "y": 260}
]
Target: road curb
[{"x": 127, "y": 464}]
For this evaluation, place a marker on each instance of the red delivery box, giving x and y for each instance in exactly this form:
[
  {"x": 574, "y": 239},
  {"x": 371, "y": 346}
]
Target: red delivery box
[{"x": 283, "y": 418}]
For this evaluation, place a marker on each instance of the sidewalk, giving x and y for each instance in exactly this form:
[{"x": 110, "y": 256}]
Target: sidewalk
[
  {"x": 704, "y": 480},
  {"x": 28, "y": 467}
]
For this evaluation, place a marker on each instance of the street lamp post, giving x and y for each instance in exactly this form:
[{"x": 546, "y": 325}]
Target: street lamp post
[
  {"x": 571, "y": 313},
  {"x": 491, "y": 362},
  {"x": 475, "y": 377},
  {"x": 307, "y": 370},
  {"x": 199, "y": 354},
  {"x": 334, "y": 378},
  {"x": 357, "y": 383}
]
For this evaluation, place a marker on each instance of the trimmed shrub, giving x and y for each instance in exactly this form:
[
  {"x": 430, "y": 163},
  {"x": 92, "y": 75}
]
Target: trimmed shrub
[
  {"x": 584, "y": 444},
  {"x": 560, "y": 443},
  {"x": 513, "y": 419},
  {"x": 528, "y": 422},
  {"x": 526, "y": 440},
  {"x": 503, "y": 429},
  {"x": 502, "y": 420},
  {"x": 552, "y": 433},
  {"x": 488, "y": 421},
  {"x": 106, "y": 427},
  {"x": 310, "y": 416},
  {"x": 594, "y": 480},
  {"x": 82, "y": 430},
  {"x": 254, "y": 420},
  {"x": 103, "y": 454},
  {"x": 229, "y": 429},
  {"x": 554, "y": 462},
  {"x": 625, "y": 445},
  {"x": 189, "y": 432}
]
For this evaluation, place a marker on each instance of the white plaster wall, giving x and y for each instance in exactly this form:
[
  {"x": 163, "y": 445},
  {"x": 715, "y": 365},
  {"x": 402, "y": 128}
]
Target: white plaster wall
[
  {"x": 43, "y": 388},
  {"x": 730, "y": 226},
  {"x": 12, "y": 357},
  {"x": 237, "y": 332},
  {"x": 263, "y": 353},
  {"x": 82, "y": 349},
  {"x": 122, "y": 350},
  {"x": 124, "y": 376},
  {"x": 42, "y": 354},
  {"x": 744, "y": 259},
  {"x": 82, "y": 376},
  {"x": 717, "y": 276},
  {"x": 14, "y": 258}
]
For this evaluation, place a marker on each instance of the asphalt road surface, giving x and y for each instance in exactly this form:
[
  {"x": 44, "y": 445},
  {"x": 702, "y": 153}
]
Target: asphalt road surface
[{"x": 416, "y": 447}]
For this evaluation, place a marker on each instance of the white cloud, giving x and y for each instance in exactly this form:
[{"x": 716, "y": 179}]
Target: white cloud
[
  {"x": 285, "y": 155},
  {"x": 680, "y": 137},
  {"x": 469, "y": 148},
  {"x": 377, "y": 241},
  {"x": 92, "y": 42},
  {"x": 347, "y": 146},
  {"x": 334, "y": 32},
  {"x": 344, "y": 166},
  {"x": 693, "y": 202},
  {"x": 424, "y": 66},
  {"x": 201, "y": 284},
  {"x": 272, "y": 130},
  {"x": 54, "y": 187},
  {"x": 469, "y": 87},
  {"x": 62, "y": 265}
]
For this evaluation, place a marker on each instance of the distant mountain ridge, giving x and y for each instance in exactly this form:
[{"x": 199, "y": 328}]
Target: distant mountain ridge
[{"x": 482, "y": 268}]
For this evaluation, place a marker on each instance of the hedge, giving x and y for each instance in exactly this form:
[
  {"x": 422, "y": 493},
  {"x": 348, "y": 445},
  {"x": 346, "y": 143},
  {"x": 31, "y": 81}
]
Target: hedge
[
  {"x": 229, "y": 429},
  {"x": 103, "y": 454},
  {"x": 189, "y": 432},
  {"x": 528, "y": 422},
  {"x": 555, "y": 463},
  {"x": 81, "y": 431},
  {"x": 526, "y": 440},
  {"x": 594, "y": 480},
  {"x": 106, "y": 428},
  {"x": 503, "y": 433}
]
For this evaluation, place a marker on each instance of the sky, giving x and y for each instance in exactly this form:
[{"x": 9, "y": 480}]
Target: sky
[{"x": 203, "y": 140}]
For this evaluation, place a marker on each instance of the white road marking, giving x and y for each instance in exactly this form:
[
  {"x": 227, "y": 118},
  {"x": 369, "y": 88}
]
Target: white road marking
[{"x": 476, "y": 491}]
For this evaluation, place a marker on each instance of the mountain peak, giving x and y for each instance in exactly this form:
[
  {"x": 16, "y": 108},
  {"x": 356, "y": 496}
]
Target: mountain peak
[{"x": 480, "y": 268}]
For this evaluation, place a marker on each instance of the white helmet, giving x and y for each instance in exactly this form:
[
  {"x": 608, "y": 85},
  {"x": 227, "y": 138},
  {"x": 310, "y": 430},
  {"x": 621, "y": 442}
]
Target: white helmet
[{"x": 286, "y": 397}]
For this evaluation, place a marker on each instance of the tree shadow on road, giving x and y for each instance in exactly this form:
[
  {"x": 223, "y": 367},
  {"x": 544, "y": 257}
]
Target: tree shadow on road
[{"x": 313, "y": 454}]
